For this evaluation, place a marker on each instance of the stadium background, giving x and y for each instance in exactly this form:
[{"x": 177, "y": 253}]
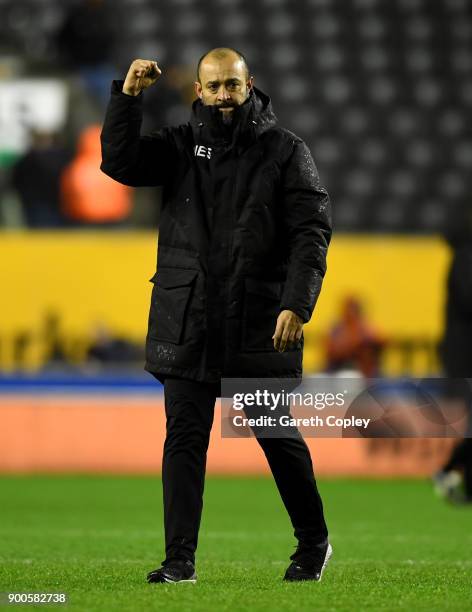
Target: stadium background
[{"x": 380, "y": 91}]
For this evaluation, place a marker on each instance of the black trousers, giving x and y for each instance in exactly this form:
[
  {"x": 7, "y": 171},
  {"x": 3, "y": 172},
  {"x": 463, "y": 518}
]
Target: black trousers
[{"x": 189, "y": 407}]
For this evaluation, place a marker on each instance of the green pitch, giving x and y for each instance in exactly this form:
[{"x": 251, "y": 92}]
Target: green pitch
[{"x": 396, "y": 547}]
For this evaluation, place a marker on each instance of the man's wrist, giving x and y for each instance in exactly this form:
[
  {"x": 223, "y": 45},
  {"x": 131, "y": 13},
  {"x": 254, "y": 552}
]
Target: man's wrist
[
  {"x": 118, "y": 88},
  {"x": 130, "y": 92},
  {"x": 300, "y": 314}
]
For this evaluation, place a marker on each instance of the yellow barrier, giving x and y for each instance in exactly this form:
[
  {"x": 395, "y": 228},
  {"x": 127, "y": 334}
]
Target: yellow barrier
[{"x": 88, "y": 277}]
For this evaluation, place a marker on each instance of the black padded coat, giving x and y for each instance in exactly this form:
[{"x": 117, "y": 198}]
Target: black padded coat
[{"x": 244, "y": 232}]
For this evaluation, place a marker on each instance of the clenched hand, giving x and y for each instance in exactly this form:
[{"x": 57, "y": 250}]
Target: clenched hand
[
  {"x": 288, "y": 330},
  {"x": 141, "y": 74}
]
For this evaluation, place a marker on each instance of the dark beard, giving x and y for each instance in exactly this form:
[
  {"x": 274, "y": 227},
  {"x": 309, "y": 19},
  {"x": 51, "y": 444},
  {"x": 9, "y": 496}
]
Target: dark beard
[{"x": 226, "y": 118}]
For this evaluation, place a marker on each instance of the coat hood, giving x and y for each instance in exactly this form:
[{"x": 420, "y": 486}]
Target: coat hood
[{"x": 250, "y": 119}]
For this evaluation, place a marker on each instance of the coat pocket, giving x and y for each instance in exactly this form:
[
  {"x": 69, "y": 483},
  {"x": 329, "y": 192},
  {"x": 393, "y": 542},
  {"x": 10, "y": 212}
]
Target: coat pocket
[
  {"x": 260, "y": 312},
  {"x": 169, "y": 303}
]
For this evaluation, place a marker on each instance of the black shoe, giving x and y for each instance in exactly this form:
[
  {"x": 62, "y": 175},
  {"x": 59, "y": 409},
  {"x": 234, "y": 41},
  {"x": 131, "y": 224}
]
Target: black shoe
[
  {"x": 448, "y": 484},
  {"x": 309, "y": 566},
  {"x": 175, "y": 570}
]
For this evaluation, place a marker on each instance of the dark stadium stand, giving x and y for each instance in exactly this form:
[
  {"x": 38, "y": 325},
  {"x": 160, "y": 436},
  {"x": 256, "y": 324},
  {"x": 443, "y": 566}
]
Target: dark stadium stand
[{"x": 380, "y": 89}]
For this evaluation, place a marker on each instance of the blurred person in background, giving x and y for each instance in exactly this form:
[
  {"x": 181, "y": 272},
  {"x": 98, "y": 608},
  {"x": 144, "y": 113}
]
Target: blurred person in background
[
  {"x": 89, "y": 198},
  {"x": 243, "y": 237},
  {"x": 454, "y": 480},
  {"x": 85, "y": 41},
  {"x": 109, "y": 348},
  {"x": 54, "y": 339},
  {"x": 168, "y": 104},
  {"x": 353, "y": 343},
  {"x": 36, "y": 179}
]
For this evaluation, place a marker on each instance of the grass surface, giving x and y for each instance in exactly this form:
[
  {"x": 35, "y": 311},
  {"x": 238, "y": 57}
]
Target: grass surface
[{"x": 396, "y": 547}]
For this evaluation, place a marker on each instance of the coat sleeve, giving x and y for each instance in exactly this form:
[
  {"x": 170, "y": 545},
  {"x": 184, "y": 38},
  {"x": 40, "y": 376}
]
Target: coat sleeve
[
  {"x": 128, "y": 157},
  {"x": 307, "y": 226}
]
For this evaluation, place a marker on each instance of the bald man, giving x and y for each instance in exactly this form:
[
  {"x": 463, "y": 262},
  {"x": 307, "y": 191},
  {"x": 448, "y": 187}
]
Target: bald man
[{"x": 243, "y": 236}]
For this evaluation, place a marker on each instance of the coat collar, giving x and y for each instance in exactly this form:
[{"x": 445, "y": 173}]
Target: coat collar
[{"x": 250, "y": 119}]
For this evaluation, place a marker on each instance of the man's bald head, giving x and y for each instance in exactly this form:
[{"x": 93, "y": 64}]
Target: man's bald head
[
  {"x": 223, "y": 80},
  {"x": 220, "y": 53}
]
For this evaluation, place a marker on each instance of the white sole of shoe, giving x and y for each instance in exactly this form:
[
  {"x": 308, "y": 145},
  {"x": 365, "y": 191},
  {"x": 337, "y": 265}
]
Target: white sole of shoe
[
  {"x": 329, "y": 552},
  {"x": 191, "y": 580}
]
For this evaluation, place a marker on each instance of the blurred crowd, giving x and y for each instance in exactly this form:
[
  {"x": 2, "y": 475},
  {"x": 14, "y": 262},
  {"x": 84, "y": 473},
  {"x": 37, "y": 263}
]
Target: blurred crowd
[
  {"x": 380, "y": 91},
  {"x": 54, "y": 180}
]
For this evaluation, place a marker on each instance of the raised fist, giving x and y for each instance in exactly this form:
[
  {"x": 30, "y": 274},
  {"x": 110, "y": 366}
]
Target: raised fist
[{"x": 141, "y": 74}]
